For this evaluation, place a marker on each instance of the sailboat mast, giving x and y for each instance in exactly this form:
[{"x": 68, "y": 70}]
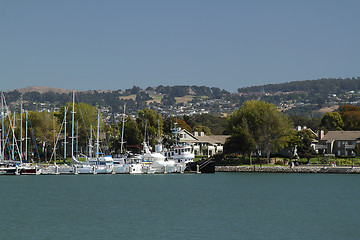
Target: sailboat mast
[
  {"x": 122, "y": 132},
  {"x": 90, "y": 142},
  {"x": 21, "y": 128},
  {"x": 13, "y": 140},
  {"x": 97, "y": 135},
  {"x": 26, "y": 135},
  {"x": 65, "y": 133},
  {"x": 72, "y": 126},
  {"x": 159, "y": 138},
  {"x": 175, "y": 133},
  {"x": 2, "y": 128},
  {"x": 77, "y": 139}
]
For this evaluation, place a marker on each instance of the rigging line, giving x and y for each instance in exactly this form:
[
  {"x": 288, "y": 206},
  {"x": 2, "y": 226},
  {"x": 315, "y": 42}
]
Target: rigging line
[
  {"x": 7, "y": 140},
  {"x": 77, "y": 101},
  {"x": 32, "y": 131},
  {"x": 13, "y": 130},
  {"x": 52, "y": 154}
]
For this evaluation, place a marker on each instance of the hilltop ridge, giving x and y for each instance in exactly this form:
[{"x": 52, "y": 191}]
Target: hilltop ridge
[
  {"x": 311, "y": 98},
  {"x": 42, "y": 89}
]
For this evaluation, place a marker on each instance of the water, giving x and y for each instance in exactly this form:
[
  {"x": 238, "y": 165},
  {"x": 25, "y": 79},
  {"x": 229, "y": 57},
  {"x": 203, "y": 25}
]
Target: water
[{"x": 187, "y": 206}]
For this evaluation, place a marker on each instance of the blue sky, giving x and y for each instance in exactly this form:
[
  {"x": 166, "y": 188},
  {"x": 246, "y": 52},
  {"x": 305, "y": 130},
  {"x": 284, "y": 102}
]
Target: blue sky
[{"x": 110, "y": 45}]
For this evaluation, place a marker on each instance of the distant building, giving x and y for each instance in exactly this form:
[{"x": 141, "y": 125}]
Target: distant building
[
  {"x": 206, "y": 145},
  {"x": 339, "y": 143}
]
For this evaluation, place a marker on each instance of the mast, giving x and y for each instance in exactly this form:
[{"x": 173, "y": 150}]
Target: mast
[
  {"x": 122, "y": 132},
  {"x": 175, "y": 132},
  {"x": 65, "y": 133},
  {"x": 13, "y": 140},
  {"x": 90, "y": 142},
  {"x": 158, "y": 146},
  {"x": 159, "y": 139},
  {"x": 54, "y": 131},
  {"x": 21, "y": 123},
  {"x": 2, "y": 146},
  {"x": 72, "y": 126},
  {"x": 77, "y": 138},
  {"x": 97, "y": 135},
  {"x": 26, "y": 135}
]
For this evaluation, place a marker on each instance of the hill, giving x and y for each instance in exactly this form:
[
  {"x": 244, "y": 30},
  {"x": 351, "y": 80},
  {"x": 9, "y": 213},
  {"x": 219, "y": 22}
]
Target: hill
[
  {"x": 324, "y": 85},
  {"x": 311, "y": 98},
  {"x": 43, "y": 90}
]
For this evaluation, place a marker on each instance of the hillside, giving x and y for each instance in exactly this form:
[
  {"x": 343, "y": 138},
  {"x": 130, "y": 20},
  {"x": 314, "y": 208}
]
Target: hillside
[
  {"x": 324, "y": 85},
  {"x": 311, "y": 98},
  {"x": 44, "y": 90}
]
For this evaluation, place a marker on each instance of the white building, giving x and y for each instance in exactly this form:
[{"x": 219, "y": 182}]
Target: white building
[{"x": 206, "y": 145}]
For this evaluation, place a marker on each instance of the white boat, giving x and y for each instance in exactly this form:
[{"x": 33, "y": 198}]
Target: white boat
[
  {"x": 156, "y": 162},
  {"x": 181, "y": 154}
]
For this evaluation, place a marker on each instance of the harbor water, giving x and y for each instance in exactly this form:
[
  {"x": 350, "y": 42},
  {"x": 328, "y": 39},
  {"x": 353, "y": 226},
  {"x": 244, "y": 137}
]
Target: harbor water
[{"x": 181, "y": 206}]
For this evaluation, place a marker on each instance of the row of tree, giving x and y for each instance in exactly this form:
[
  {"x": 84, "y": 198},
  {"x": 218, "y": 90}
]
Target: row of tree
[{"x": 256, "y": 127}]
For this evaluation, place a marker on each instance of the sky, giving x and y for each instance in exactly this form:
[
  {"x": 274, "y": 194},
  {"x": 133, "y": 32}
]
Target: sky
[{"x": 118, "y": 44}]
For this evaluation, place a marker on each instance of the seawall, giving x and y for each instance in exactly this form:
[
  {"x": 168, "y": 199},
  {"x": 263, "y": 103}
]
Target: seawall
[{"x": 286, "y": 169}]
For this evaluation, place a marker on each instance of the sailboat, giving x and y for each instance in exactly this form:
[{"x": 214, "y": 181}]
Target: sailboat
[
  {"x": 100, "y": 164},
  {"x": 12, "y": 166},
  {"x": 126, "y": 162}
]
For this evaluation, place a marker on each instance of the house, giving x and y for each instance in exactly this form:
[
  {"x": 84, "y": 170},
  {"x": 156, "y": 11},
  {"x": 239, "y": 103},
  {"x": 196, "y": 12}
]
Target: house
[
  {"x": 339, "y": 143},
  {"x": 206, "y": 145}
]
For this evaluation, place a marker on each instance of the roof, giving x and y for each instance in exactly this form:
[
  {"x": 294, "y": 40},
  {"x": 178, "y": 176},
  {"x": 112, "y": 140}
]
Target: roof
[
  {"x": 341, "y": 136},
  {"x": 212, "y": 139}
]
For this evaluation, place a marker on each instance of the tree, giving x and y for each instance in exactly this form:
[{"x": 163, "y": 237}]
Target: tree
[
  {"x": 260, "y": 123},
  {"x": 149, "y": 118},
  {"x": 85, "y": 116},
  {"x": 240, "y": 140},
  {"x": 206, "y": 130},
  {"x": 132, "y": 133},
  {"x": 302, "y": 141},
  {"x": 350, "y": 116},
  {"x": 332, "y": 121},
  {"x": 168, "y": 100},
  {"x": 42, "y": 125}
]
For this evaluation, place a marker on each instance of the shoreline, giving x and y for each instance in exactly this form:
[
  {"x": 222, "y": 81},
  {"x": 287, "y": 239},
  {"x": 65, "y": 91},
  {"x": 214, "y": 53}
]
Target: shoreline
[{"x": 286, "y": 169}]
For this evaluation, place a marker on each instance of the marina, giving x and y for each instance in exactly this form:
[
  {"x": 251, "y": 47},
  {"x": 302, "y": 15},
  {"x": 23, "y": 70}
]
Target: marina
[{"x": 176, "y": 159}]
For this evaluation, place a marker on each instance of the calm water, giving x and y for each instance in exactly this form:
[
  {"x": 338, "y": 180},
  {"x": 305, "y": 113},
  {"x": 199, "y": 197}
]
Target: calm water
[{"x": 188, "y": 206}]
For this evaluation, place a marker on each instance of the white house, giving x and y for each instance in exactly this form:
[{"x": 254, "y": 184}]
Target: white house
[{"x": 207, "y": 145}]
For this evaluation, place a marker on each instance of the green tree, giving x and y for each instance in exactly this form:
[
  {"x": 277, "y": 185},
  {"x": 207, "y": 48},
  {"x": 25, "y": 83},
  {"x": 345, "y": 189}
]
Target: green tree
[
  {"x": 85, "y": 118},
  {"x": 151, "y": 119},
  {"x": 168, "y": 100},
  {"x": 262, "y": 124},
  {"x": 42, "y": 125},
  {"x": 332, "y": 121},
  {"x": 240, "y": 140},
  {"x": 301, "y": 140},
  {"x": 350, "y": 116},
  {"x": 132, "y": 133}
]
